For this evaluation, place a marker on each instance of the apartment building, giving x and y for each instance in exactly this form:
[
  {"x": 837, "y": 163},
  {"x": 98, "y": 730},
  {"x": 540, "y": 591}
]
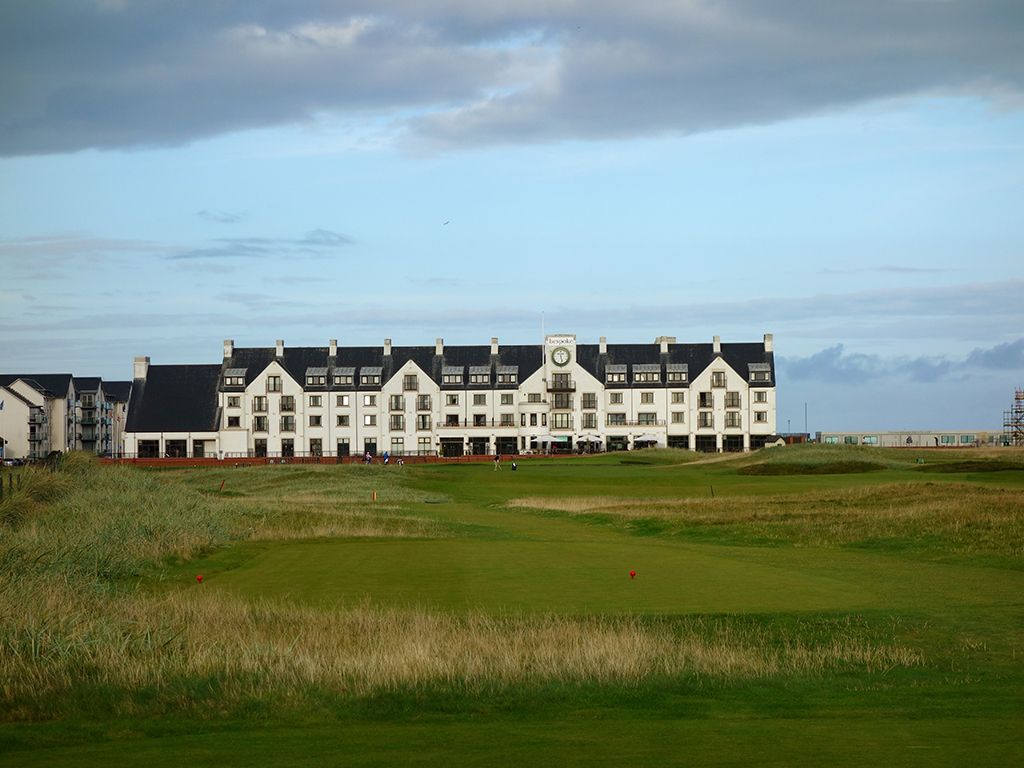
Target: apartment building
[{"x": 454, "y": 400}]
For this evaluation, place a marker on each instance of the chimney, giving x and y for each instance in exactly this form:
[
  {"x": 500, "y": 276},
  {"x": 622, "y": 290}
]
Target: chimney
[
  {"x": 716, "y": 342},
  {"x": 141, "y": 367},
  {"x": 439, "y": 346},
  {"x": 602, "y": 345},
  {"x": 333, "y": 344},
  {"x": 769, "y": 342},
  {"x": 664, "y": 341},
  {"x": 229, "y": 348},
  {"x": 280, "y": 348},
  {"x": 387, "y": 347},
  {"x": 494, "y": 345}
]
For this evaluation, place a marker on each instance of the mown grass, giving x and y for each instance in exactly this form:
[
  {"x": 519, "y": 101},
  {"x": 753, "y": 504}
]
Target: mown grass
[{"x": 97, "y": 625}]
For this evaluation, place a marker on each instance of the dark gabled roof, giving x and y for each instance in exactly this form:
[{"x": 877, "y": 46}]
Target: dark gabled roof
[
  {"x": 53, "y": 384},
  {"x": 117, "y": 391},
  {"x": 175, "y": 398},
  {"x": 297, "y": 360},
  {"x": 87, "y": 383},
  {"x": 696, "y": 357},
  {"x": 15, "y": 395}
]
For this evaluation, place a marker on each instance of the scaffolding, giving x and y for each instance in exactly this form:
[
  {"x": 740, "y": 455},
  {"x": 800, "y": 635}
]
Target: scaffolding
[{"x": 1013, "y": 421}]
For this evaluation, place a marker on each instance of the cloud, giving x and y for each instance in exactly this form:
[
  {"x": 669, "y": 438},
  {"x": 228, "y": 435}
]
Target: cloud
[
  {"x": 834, "y": 365},
  {"x": 477, "y": 72},
  {"x": 314, "y": 243},
  {"x": 221, "y": 217}
]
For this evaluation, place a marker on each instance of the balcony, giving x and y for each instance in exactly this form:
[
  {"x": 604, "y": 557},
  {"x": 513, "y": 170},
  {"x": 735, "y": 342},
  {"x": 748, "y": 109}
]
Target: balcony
[
  {"x": 626, "y": 423},
  {"x": 483, "y": 424},
  {"x": 87, "y": 421},
  {"x": 561, "y": 385},
  {"x": 37, "y": 418}
]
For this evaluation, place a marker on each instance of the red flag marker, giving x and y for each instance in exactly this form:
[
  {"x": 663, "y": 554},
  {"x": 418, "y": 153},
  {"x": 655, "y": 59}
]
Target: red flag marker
[
  {"x": 632, "y": 574},
  {"x": 199, "y": 578}
]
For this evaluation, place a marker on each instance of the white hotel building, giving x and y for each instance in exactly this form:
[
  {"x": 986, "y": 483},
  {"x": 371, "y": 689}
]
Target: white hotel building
[{"x": 456, "y": 400}]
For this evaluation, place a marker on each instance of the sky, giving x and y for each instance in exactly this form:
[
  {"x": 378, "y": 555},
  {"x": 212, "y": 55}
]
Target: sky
[{"x": 846, "y": 176}]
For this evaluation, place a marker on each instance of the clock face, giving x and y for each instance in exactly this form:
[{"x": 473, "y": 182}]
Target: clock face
[{"x": 560, "y": 356}]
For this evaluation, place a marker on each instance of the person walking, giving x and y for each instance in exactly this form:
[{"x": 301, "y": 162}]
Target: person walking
[{"x": 497, "y": 462}]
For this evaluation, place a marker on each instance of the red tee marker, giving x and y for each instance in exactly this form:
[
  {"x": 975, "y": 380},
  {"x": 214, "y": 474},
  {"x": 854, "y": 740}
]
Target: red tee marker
[
  {"x": 632, "y": 574},
  {"x": 199, "y": 578}
]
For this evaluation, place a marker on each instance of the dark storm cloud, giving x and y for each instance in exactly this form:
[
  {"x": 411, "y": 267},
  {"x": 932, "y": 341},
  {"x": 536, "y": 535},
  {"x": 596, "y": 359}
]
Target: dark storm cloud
[
  {"x": 156, "y": 72},
  {"x": 836, "y": 365}
]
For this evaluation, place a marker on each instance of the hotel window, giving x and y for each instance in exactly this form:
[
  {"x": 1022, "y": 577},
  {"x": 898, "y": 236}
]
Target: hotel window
[
  {"x": 562, "y": 400},
  {"x": 287, "y": 447},
  {"x": 760, "y": 417},
  {"x": 422, "y": 402},
  {"x": 397, "y": 446},
  {"x": 733, "y": 419},
  {"x": 287, "y": 423},
  {"x": 234, "y": 422},
  {"x": 718, "y": 378},
  {"x": 396, "y": 403},
  {"x": 341, "y": 401},
  {"x": 259, "y": 424},
  {"x": 229, "y": 381},
  {"x": 543, "y": 419},
  {"x": 259, "y": 404},
  {"x": 397, "y": 422},
  {"x": 615, "y": 378},
  {"x": 589, "y": 421},
  {"x": 615, "y": 398},
  {"x": 646, "y": 398},
  {"x": 451, "y": 420},
  {"x": 316, "y": 401},
  {"x": 616, "y": 420},
  {"x": 760, "y": 396},
  {"x": 234, "y": 401},
  {"x": 705, "y": 400},
  {"x": 479, "y": 375},
  {"x": 645, "y": 374},
  {"x": 370, "y": 379},
  {"x": 410, "y": 383},
  {"x": 589, "y": 400},
  {"x": 369, "y": 401},
  {"x": 423, "y": 446},
  {"x": 370, "y": 420},
  {"x": 533, "y": 397},
  {"x": 678, "y": 398},
  {"x": 533, "y": 419},
  {"x": 508, "y": 374},
  {"x": 561, "y": 421},
  {"x": 287, "y": 403},
  {"x": 870, "y": 440},
  {"x": 479, "y": 420},
  {"x": 479, "y": 399},
  {"x": 675, "y": 375},
  {"x": 316, "y": 380},
  {"x": 423, "y": 421},
  {"x": 343, "y": 379},
  {"x": 522, "y": 419},
  {"x": 850, "y": 440},
  {"x": 705, "y": 419},
  {"x": 678, "y": 417},
  {"x": 508, "y": 420},
  {"x": 316, "y": 446},
  {"x": 759, "y": 374},
  {"x": 946, "y": 440},
  {"x": 344, "y": 446},
  {"x": 967, "y": 438},
  {"x": 273, "y": 383},
  {"x": 831, "y": 439},
  {"x": 451, "y": 378},
  {"x": 506, "y": 398},
  {"x": 343, "y": 420},
  {"x": 732, "y": 399},
  {"x": 316, "y": 420},
  {"x": 646, "y": 419},
  {"x": 451, "y": 399}
]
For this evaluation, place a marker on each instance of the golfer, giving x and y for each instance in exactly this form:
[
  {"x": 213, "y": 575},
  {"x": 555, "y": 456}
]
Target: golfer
[{"x": 497, "y": 462}]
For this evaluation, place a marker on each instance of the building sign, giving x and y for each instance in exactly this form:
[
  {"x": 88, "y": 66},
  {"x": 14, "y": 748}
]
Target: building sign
[{"x": 559, "y": 341}]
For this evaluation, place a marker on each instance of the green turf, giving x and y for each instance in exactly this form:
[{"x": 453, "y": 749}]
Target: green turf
[{"x": 965, "y": 706}]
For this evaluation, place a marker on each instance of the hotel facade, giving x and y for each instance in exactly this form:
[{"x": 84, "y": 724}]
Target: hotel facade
[{"x": 455, "y": 400}]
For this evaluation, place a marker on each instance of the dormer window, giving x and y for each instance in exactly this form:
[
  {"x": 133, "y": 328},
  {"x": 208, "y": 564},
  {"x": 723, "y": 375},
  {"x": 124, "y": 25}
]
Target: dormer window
[
  {"x": 677, "y": 372},
  {"x": 370, "y": 377},
  {"x": 452, "y": 374},
  {"x": 343, "y": 377},
  {"x": 234, "y": 377},
  {"x": 646, "y": 373},
  {"x": 615, "y": 374},
  {"x": 760, "y": 372},
  {"x": 479, "y": 374},
  {"x": 508, "y": 374},
  {"x": 316, "y": 377}
]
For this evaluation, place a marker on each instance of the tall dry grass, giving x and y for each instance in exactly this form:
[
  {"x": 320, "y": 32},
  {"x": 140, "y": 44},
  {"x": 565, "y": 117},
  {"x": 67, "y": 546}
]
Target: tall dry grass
[
  {"x": 938, "y": 517},
  {"x": 149, "y": 651}
]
